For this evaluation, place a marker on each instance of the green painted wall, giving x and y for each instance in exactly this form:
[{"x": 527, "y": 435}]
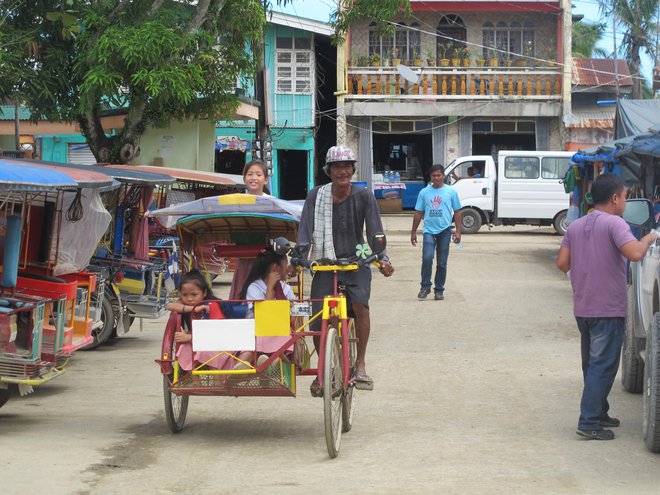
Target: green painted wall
[
  {"x": 56, "y": 148},
  {"x": 187, "y": 145},
  {"x": 8, "y": 142}
]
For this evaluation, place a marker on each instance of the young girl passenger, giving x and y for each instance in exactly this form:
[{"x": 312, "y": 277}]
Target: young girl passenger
[
  {"x": 194, "y": 289},
  {"x": 266, "y": 281},
  {"x": 255, "y": 176}
]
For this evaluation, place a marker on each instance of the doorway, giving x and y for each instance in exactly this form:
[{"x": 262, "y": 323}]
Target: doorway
[
  {"x": 409, "y": 154},
  {"x": 229, "y": 162},
  {"x": 292, "y": 171}
]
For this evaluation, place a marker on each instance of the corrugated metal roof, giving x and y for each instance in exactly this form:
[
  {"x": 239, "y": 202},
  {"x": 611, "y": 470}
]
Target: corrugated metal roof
[
  {"x": 7, "y": 112},
  {"x": 600, "y": 72},
  {"x": 592, "y": 118}
]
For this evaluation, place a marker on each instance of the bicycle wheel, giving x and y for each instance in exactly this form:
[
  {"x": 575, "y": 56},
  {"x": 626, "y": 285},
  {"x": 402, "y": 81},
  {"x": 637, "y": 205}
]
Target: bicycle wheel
[
  {"x": 347, "y": 404},
  {"x": 176, "y": 406},
  {"x": 332, "y": 393}
]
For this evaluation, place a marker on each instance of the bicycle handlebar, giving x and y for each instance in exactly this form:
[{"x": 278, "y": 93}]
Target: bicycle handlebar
[{"x": 305, "y": 263}]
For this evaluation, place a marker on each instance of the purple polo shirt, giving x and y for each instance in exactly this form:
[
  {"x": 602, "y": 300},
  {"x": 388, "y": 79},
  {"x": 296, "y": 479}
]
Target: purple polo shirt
[{"x": 598, "y": 268}]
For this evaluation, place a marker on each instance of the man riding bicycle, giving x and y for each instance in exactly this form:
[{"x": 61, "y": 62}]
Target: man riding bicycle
[{"x": 332, "y": 223}]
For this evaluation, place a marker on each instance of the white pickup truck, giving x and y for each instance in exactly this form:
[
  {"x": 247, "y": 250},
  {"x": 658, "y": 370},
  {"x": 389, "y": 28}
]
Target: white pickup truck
[
  {"x": 524, "y": 187},
  {"x": 640, "y": 358}
]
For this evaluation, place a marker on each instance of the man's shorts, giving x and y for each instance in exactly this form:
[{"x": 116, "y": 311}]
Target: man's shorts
[{"x": 358, "y": 290}]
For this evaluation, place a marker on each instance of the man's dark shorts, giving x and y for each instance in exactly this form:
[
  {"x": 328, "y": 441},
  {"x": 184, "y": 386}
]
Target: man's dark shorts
[{"x": 358, "y": 290}]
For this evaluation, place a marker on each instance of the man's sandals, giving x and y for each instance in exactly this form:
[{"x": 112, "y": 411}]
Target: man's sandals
[{"x": 362, "y": 382}]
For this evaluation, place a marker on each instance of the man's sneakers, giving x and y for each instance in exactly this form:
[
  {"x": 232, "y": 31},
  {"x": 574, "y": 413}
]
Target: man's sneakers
[
  {"x": 608, "y": 422},
  {"x": 423, "y": 293},
  {"x": 596, "y": 434}
]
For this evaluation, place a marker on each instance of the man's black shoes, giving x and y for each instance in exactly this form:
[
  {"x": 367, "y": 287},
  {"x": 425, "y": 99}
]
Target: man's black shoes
[
  {"x": 596, "y": 434},
  {"x": 439, "y": 296},
  {"x": 608, "y": 422},
  {"x": 423, "y": 293}
]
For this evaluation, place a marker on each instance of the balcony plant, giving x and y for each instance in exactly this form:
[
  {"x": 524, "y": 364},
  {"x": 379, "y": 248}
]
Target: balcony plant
[
  {"x": 465, "y": 56},
  {"x": 362, "y": 60},
  {"x": 550, "y": 57},
  {"x": 417, "y": 57},
  {"x": 493, "y": 58},
  {"x": 374, "y": 58},
  {"x": 430, "y": 58},
  {"x": 396, "y": 57},
  {"x": 443, "y": 51},
  {"x": 481, "y": 61}
]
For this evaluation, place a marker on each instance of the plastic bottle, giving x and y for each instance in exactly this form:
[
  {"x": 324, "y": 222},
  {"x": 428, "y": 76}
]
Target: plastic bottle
[
  {"x": 386, "y": 177},
  {"x": 397, "y": 177},
  {"x": 459, "y": 244}
]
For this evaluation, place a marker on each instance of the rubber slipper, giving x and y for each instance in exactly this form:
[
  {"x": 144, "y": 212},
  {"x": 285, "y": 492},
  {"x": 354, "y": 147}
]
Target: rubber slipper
[{"x": 363, "y": 381}]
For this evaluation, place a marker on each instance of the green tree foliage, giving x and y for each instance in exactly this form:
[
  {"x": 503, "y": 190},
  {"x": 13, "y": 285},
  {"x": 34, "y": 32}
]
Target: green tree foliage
[
  {"x": 585, "y": 37},
  {"x": 638, "y": 21},
  {"x": 379, "y": 11},
  {"x": 161, "y": 60},
  {"x": 76, "y": 60}
]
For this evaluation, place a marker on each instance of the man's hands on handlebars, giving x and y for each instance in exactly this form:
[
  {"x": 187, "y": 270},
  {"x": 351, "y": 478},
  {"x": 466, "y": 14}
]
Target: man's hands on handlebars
[{"x": 386, "y": 268}]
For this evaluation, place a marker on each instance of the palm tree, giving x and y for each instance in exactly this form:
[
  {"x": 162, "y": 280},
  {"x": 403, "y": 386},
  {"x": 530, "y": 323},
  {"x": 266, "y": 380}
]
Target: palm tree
[
  {"x": 585, "y": 38},
  {"x": 637, "y": 20}
]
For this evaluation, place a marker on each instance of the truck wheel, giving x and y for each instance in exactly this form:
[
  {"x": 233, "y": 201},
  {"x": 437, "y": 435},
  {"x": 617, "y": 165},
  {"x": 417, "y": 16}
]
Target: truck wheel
[
  {"x": 651, "y": 420},
  {"x": 471, "y": 221},
  {"x": 632, "y": 366},
  {"x": 561, "y": 223}
]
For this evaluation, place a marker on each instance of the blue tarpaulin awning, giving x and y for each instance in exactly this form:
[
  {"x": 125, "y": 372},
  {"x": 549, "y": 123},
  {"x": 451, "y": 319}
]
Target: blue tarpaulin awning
[{"x": 16, "y": 176}]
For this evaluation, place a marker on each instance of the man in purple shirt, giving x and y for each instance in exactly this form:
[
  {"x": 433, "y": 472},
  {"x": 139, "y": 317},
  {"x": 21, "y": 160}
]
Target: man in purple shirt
[{"x": 595, "y": 249}]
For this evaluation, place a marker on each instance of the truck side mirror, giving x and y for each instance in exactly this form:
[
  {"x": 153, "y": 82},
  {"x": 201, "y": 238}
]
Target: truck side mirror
[{"x": 639, "y": 213}]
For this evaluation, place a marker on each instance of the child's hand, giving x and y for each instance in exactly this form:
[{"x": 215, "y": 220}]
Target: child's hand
[
  {"x": 273, "y": 277},
  {"x": 202, "y": 308},
  {"x": 182, "y": 337}
]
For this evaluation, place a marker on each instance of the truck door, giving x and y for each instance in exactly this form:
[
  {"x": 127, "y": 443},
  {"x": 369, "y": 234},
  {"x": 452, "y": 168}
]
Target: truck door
[{"x": 474, "y": 180}]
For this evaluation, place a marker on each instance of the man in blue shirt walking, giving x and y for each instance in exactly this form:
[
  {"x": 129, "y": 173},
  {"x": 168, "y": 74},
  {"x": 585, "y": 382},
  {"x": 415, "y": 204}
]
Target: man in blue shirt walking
[{"x": 438, "y": 204}]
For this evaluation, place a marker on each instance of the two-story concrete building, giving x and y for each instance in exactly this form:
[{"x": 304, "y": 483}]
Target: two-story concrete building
[{"x": 456, "y": 78}]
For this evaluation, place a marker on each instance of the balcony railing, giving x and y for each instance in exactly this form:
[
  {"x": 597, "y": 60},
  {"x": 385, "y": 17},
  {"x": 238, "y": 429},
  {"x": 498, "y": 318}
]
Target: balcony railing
[{"x": 456, "y": 83}]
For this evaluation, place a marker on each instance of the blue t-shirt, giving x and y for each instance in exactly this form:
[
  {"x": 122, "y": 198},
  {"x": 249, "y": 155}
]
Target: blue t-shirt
[{"x": 438, "y": 206}]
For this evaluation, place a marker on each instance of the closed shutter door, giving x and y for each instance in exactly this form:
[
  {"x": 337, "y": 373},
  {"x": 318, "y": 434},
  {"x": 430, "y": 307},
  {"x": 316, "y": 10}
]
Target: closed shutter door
[{"x": 80, "y": 154}]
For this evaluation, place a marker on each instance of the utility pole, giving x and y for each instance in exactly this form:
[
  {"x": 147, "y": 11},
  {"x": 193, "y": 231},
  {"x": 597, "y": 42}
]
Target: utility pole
[
  {"x": 616, "y": 62},
  {"x": 261, "y": 93},
  {"x": 17, "y": 125}
]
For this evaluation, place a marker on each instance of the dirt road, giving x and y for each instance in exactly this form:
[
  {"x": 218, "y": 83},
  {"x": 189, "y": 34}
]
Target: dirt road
[{"x": 476, "y": 394}]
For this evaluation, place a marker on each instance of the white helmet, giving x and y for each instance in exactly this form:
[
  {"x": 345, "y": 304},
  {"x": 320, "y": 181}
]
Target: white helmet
[{"x": 338, "y": 154}]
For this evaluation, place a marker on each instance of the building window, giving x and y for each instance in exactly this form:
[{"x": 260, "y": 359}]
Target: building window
[
  {"x": 405, "y": 42},
  {"x": 293, "y": 65},
  {"x": 512, "y": 41},
  {"x": 451, "y": 36}
]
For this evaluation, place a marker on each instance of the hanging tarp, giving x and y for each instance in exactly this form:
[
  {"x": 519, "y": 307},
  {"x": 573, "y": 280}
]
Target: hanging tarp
[
  {"x": 635, "y": 117},
  {"x": 79, "y": 237}
]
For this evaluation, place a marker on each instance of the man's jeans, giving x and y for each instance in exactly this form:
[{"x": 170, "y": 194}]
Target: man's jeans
[
  {"x": 435, "y": 243},
  {"x": 601, "y": 340}
]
